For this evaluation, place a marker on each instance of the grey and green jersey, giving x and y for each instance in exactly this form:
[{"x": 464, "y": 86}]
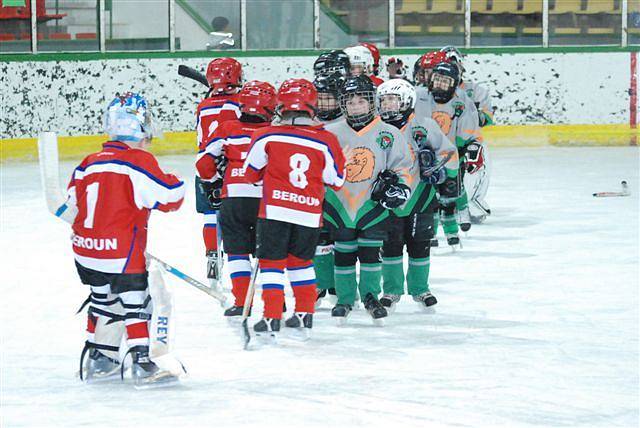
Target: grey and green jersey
[
  {"x": 374, "y": 148},
  {"x": 424, "y": 132},
  {"x": 458, "y": 119},
  {"x": 482, "y": 100}
]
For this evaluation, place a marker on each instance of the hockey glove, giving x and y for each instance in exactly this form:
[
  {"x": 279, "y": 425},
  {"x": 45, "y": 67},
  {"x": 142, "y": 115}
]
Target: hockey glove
[
  {"x": 213, "y": 190},
  {"x": 388, "y": 191},
  {"x": 474, "y": 158},
  {"x": 426, "y": 160}
]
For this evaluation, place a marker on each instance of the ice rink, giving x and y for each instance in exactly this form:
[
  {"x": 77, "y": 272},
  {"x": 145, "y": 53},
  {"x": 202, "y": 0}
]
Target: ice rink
[{"x": 537, "y": 322}]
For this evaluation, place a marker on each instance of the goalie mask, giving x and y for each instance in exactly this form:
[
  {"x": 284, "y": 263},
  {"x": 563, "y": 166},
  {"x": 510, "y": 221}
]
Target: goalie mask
[
  {"x": 329, "y": 63},
  {"x": 396, "y": 99},
  {"x": 328, "y": 88},
  {"x": 443, "y": 82},
  {"x": 128, "y": 118},
  {"x": 454, "y": 56},
  {"x": 357, "y": 101}
]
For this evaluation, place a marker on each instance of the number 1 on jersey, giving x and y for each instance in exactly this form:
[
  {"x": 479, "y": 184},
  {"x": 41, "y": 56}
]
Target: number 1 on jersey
[
  {"x": 92, "y": 200},
  {"x": 299, "y": 164}
]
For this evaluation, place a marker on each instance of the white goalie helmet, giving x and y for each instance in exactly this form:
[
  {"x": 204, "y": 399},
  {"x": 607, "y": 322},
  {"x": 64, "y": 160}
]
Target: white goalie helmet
[
  {"x": 361, "y": 60},
  {"x": 394, "y": 98}
]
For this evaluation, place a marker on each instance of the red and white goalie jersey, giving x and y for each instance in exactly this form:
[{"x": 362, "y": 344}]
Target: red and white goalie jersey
[
  {"x": 114, "y": 191},
  {"x": 211, "y": 112},
  {"x": 295, "y": 163},
  {"x": 232, "y": 139}
]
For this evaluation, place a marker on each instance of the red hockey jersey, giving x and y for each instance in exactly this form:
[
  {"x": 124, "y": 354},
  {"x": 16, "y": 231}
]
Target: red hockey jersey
[
  {"x": 114, "y": 191},
  {"x": 211, "y": 112},
  {"x": 232, "y": 139},
  {"x": 295, "y": 162}
]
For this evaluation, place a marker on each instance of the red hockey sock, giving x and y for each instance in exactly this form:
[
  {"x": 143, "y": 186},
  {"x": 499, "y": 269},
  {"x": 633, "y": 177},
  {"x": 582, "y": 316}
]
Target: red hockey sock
[
  {"x": 272, "y": 279},
  {"x": 210, "y": 237},
  {"x": 302, "y": 277},
  {"x": 240, "y": 272}
]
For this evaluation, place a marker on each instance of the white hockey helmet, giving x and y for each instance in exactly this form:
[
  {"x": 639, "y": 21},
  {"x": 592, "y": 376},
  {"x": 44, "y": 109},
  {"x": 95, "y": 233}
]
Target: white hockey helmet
[
  {"x": 361, "y": 60},
  {"x": 395, "y": 98},
  {"x": 455, "y": 56}
]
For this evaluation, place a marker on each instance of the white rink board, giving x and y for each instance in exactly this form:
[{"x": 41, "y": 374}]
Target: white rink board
[
  {"x": 69, "y": 97},
  {"x": 536, "y": 325}
]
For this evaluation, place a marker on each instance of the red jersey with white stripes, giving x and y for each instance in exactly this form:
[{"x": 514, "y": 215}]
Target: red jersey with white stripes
[
  {"x": 213, "y": 111},
  {"x": 232, "y": 139},
  {"x": 114, "y": 191},
  {"x": 295, "y": 163}
]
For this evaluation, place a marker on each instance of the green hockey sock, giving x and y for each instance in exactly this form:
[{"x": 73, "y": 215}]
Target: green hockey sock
[
  {"x": 370, "y": 276},
  {"x": 324, "y": 267},
  {"x": 418, "y": 276},
  {"x": 392, "y": 275},
  {"x": 463, "y": 201},
  {"x": 449, "y": 224}
]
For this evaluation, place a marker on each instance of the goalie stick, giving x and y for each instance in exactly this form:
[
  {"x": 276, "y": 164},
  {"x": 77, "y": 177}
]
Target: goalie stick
[
  {"x": 625, "y": 192},
  {"x": 190, "y": 73},
  {"x": 57, "y": 205}
]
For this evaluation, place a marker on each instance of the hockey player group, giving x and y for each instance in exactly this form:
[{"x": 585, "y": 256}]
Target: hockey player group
[{"x": 324, "y": 183}]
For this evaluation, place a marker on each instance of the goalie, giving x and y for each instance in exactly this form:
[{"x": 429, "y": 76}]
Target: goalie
[{"x": 113, "y": 192}]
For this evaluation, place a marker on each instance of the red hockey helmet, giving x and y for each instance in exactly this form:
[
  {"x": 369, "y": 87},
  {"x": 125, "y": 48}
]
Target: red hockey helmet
[
  {"x": 375, "y": 53},
  {"x": 297, "y": 95},
  {"x": 258, "y": 98},
  {"x": 224, "y": 74},
  {"x": 431, "y": 59}
]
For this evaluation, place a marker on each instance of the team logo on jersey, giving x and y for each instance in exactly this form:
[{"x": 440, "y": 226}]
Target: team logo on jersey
[
  {"x": 360, "y": 165},
  {"x": 384, "y": 140},
  {"x": 419, "y": 134},
  {"x": 443, "y": 119},
  {"x": 458, "y": 108}
]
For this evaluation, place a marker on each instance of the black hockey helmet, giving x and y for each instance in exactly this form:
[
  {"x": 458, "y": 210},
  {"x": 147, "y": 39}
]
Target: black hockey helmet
[
  {"x": 363, "y": 87},
  {"x": 328, "y": 88},
  {"x": 335, "y": 61},
  {"x": 443, "y": 82}
]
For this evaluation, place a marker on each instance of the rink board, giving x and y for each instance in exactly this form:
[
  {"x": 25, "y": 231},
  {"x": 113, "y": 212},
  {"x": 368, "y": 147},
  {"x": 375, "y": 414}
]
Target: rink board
[{"x": 25, "y": 149}]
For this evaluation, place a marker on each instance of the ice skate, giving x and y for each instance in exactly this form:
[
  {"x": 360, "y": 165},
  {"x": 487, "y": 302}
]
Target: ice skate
[
  {"x": 267, "y": 331},
  {"x": 300, "y": 324},
  {"x": 454, "y": 241},
  {"x": 328, "y": 294},
  {"x": 426, "y": 301},
  {"x": 99, "y": 367},
  {"x": 375, "y": 309},
  {"x": 146, "y": 374},
  {"x": 389, "y": 302},
  {"x": 341, "y": 312},
  {"x": 434, "y": 243}
]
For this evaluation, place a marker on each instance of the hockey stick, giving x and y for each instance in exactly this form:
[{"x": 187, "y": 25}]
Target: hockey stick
[
  {"x": 248, "y": 301},
  {"x": 57, "y": 204},
  {"x": 190, "y": 73},
  {"x": 625, "y": 192}
]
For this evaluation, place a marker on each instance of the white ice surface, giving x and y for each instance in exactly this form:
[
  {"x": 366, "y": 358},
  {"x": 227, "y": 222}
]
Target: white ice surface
[{"x": 536, "y": 325}]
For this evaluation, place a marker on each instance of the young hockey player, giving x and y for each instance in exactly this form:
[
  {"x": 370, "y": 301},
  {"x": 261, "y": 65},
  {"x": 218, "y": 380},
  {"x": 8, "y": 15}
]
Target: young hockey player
[
  {"x": 329, "y": 63},
  {"x": 238, "y": 198},
  {"x": 377, "y": 169},
  {"x": 328, "y": 112},
  {"x": 435, "y": 158},
  {"x": 295, "y": 158},
  {"x": 362, "y": 62},
  {"x": 221, "y": 104},
  {"x": 477, "y": 165},
  {"x": 114, "y": 191},
  {"x": 457, "y": 117},
  {"x": 424, "y": 66}
]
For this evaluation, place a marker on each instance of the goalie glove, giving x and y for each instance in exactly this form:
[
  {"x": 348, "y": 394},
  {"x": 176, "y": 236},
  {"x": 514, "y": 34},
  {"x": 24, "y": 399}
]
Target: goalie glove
[
  {"x": 474, "y": 158},
  {"x": 388, "y": 191},
  {"x": 426, "y": 161},
  {"x": 213, "y": 190}
]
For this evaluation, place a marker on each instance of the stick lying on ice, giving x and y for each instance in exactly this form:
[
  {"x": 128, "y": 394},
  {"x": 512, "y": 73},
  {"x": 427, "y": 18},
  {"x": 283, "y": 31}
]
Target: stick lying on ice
[
  {"x": 57, "y": 205},
  {"x": 625, "y": 192}
]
